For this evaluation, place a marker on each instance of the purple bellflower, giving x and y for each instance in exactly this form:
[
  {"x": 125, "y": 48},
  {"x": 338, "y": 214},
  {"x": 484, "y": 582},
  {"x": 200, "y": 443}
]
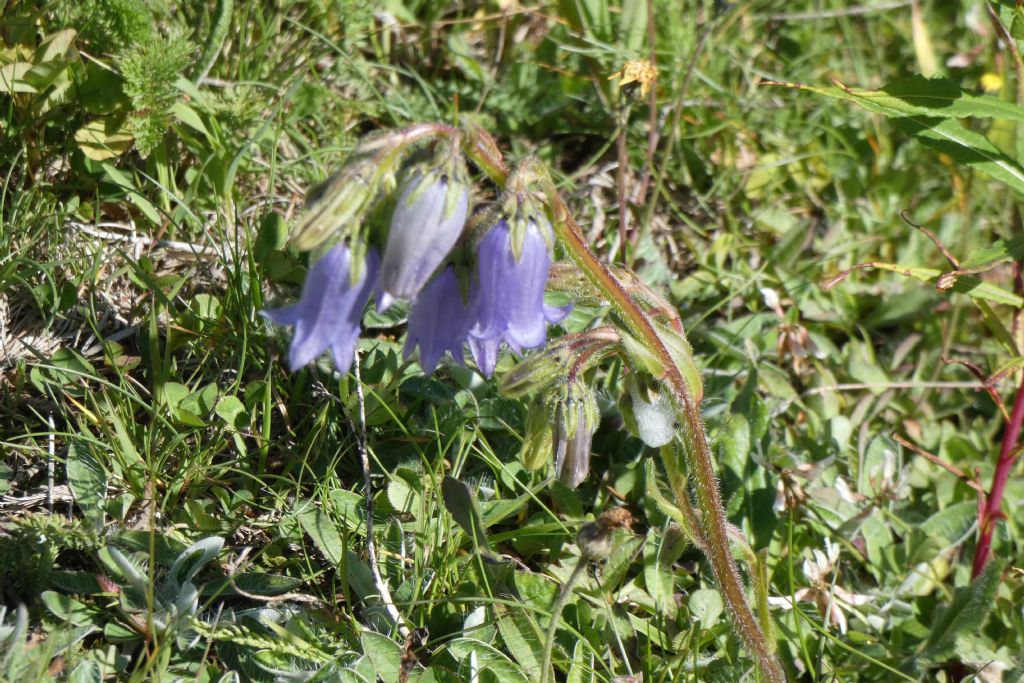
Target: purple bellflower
[
  {"x": 439, "y": 321},
  {"x": 509, "y": 305},
  {"x": 427, "y": 222},
  {"x": 328, "y": 313}
]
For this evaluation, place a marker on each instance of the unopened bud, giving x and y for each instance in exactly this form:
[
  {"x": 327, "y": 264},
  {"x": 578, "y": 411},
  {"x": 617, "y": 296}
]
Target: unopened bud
[
  {"x": 427, "y": 222},
  {"x": 650, "y": 414},
  {"x": 565, "y": 357},
  {"x": 576, "y": 420},
  {"x": 536, "y": 449},
  {"x": 337, "y": 204}
]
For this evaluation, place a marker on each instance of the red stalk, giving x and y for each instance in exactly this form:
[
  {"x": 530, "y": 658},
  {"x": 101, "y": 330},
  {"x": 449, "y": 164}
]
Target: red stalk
[{"x": 991, "y": 511}]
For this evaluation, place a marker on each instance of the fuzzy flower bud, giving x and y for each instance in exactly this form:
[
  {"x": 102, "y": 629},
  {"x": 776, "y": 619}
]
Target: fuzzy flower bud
[
  {"x": 338, "y": 203},
  {"x": 650, "y": 414},
  {"x": 536, "y": 449},
  {"x": 576, "y": 420},
  {"x": 562, "y": 359},
  {"x": 426, "y": 224}
]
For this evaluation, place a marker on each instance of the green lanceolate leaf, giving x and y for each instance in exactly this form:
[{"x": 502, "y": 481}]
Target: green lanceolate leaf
[
  {"x": 928, "y": 110},
  {"x": 917, "y": 96},
  {"x": 459, "y": 501},
  {"x": 966, "y": 614},
  {"x": 971, "y": 286}
]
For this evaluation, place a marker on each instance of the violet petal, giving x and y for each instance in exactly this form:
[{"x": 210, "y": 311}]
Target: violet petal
[{"x": 421, "y": 236}]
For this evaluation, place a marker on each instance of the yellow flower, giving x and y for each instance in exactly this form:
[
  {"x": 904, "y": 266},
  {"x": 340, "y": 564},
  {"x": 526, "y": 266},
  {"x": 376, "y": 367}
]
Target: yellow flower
[
  {"x": 991, "y": 82},
  {"x": 637, "y": 71}
]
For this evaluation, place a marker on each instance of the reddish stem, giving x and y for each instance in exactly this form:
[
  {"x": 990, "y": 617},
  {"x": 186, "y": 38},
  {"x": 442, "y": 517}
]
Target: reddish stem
[{"x": 991, "y": 513}]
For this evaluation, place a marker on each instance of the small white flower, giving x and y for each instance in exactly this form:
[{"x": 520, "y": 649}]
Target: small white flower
[{"x": 831, "y": 599}]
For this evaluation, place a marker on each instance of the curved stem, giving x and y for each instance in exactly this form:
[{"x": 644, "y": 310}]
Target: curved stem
[
  {"x": 674, "y": 382},
  {"x": 696, "y": 448}
]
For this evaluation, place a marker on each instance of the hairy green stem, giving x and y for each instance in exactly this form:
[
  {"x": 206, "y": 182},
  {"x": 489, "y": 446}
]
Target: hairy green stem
[{"x": 696, "y": 448}]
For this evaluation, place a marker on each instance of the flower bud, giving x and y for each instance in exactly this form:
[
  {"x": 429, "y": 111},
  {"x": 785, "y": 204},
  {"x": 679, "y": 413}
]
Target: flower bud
[
  {"x": 536, "y": 449},
  {"x": 650, "y": 414},
  {"x": 563, "y": 358},
  {"x": 576, "y": 420},
  {"x": 426, "y": 224},
  {"x": 332, "y": 205}
]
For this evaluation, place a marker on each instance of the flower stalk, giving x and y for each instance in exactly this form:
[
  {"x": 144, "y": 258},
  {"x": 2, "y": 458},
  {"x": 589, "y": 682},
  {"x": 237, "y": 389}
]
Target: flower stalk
[
  {"x": 677, "y": 382},
  {"x": 697, "y": 451},
  {"x": 990, "y": 508}
]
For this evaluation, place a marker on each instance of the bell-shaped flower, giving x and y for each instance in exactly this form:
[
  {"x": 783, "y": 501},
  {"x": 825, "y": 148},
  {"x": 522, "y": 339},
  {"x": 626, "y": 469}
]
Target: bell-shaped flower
[
  {"x": 426, "y": 224},
  {"x": 330, "y": 309},
  {"x": 439, "y": 321},
  {"x": 510, "y": 304}
]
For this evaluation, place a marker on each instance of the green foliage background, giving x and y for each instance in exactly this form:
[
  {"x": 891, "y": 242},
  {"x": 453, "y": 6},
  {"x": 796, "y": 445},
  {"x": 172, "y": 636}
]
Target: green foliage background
[{"x": 176, "y": 505}]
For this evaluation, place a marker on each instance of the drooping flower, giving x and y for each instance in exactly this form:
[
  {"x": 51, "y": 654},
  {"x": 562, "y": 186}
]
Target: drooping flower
[
  {"x": 439, "y": 321},
  {"x": 510, "y": 304},
  {"x": 576, "y": 419},
  {"x": 426, "y": 224},
  {"x": 328, "y": 313}
]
